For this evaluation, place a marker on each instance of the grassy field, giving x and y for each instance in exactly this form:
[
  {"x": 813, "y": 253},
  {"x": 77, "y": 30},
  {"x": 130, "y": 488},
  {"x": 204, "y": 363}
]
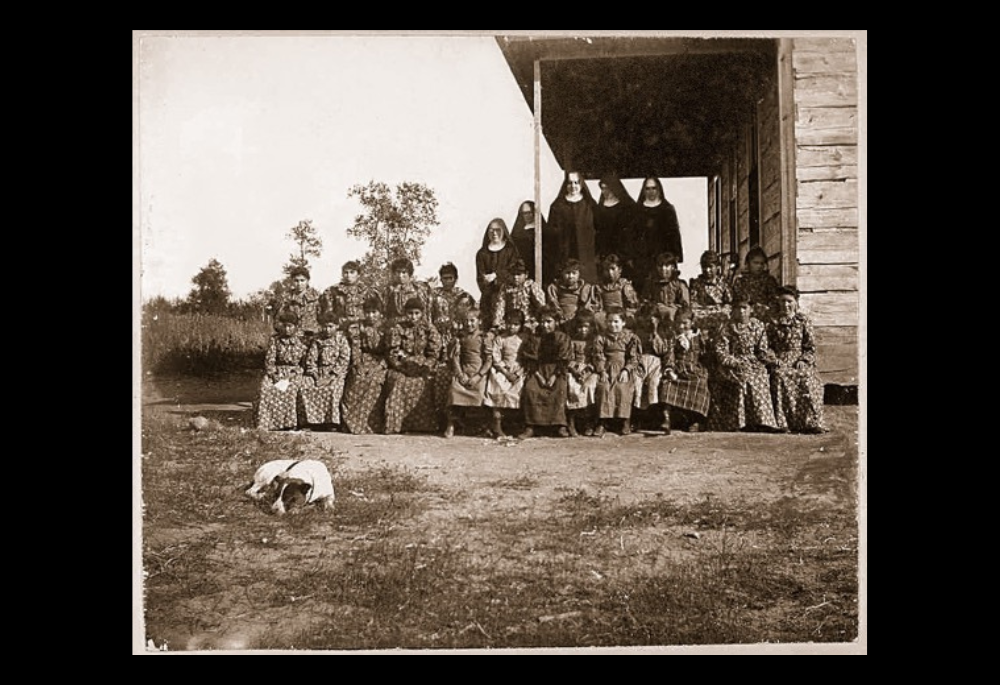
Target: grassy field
[
  {"x": 411, "y": 562},
  {"x": 202, "y": 344}
]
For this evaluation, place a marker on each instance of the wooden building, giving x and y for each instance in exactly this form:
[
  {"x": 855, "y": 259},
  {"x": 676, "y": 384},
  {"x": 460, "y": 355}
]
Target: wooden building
[{"x": 771, "y": 123}]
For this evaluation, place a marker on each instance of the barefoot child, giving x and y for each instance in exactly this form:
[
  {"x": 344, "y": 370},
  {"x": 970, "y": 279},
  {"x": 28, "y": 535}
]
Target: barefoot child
[
  {"x": 616, "y": 360},
  {"x": 545, "y": 356},
  {"x": 744, "y": 401},
  {"x": 795, "y": 386},
  {"x": 325, "y": 373},
  {"x": 506, "y": 376},
  {"x": 469, "y": 359},
  {"x": 581, "y": 381},
  {"x": 684, "y": 391},
  {"x": 277, "y": 401}
]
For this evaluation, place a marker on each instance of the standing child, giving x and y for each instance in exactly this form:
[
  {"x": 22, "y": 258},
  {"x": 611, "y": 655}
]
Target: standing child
[
  {"x": 581, "y": 381},
  {"x": 469, "y": 360},
  {"x": 302, "y": 300},
  {"x": 795, "y": 386},
  {"x": 506, "y": 375},
  {"x": 756, "y": 285},
  {"x": 448, "y": 306},
  {"x": 545, "y": 356},
  {"x": 401, "y": 289},
  {"x": 744, "y": 400},
  {"x": 414, "y": 345},
  {"x": 647, "y": 377},
  {"x": 519, "y": 293},
  {"x": 684, "y": 392},
  {"x": 616, "y": 360},
  {"x": 665, "y": 290},
  {"x": 570, "y": 292},
  {"x": 325, "y": 373},
  {"x": 711, "y": 295},
  {"x": 277, "y": 402},
  {"x": 615, "y": 291},
  {"x": 362, "y": 405},
  {"x": 347, "y": 299}
]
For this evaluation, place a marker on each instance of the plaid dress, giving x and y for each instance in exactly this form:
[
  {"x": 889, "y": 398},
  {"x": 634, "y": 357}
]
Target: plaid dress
[
  {"x": 326, "y": 370},
  {"x": 413, "y": 364},
  {"x": 362, "y": 403},
  {"x": 277, "y": 409},
  {"x": 690, "y": 390},
  {"x": 501, "y": 392},
  {"x": 797, "y": 394},
  {"x": 547, "y": 354},
  {"x": 744, "y": 398},
  {"x": 614, "y": 353},
  {"x": 581, "y": 381}
]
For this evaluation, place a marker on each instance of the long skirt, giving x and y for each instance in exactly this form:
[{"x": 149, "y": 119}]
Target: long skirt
[
  {"x": 744, "y": 400},
  {"x": 362, "y": 406},
  {"x": 580, "y": 395},
  {"x": 687, "y": 393},
  {"x": 277, "y": 409},
  {"x": 321, "y": 401},
  {"x": 544, "y": 406},
  {"x": 462, "y": 396},
  {"x": 798, "y": 399},
  {"x": 410, "y": 404},
  {"x": 647, "y": 381},
  {"x": 614, "y": 399},
  {"x": 501, "y": 393}
]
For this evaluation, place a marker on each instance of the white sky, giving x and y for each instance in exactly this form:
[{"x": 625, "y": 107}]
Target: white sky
[{"x": 241, "y": 137}]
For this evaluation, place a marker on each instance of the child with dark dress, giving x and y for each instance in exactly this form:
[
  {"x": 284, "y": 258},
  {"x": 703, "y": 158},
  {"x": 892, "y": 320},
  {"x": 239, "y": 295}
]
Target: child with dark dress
[
  {"x": 325, "y": 373},
  {"x": 545, "y": 357},
  {"x": 362, "y": 403},
  {"x": 519, "y": 293},
  {"x": 646, "y": 325},
  {"x": 581, "y": 381},
  {"x": 744, "y": 394},
  {"x": 506, "y": 375},
  {"x": 796, "y": 388},
  {"x": 614, "y": 290},
  {"x": 346, "y": 300},
  {"x": 684, "y": 392},
  {"x": 470, "y": 358},
  {"x": 414, "y": 346},
  {"x": 756, "y": 285},
  {"x": 277, "y": 399},
  {"x": 665, "y": 290},
  {"x": 616, "y": 360},
  {"x": 570, "y": 293}
]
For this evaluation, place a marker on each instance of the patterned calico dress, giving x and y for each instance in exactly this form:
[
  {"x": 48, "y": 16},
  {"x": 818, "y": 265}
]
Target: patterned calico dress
[
  {"x": 326, "y": 371},
  {"x": 683, "y": 355},
  {"x": 306, "y": 306},
  {"x": 647, "y": 375},
  {"x": 581, "y": 381},
  {"x": 346, "y": 301},
  {"x": 277, "y": 409},
  {"x": 362, "y": 403},
  {"x": 760, "y": 289},
  {"x": 528, "y": 298},
  {"x": 568, "y": 300},
  {"x": 547, "y": 354},
  {"x": 446, "y": 308},
  {"x": 413, "y": 364},
  {"x": 614, "y": 353},
  {"x": 797, "y": 394},
  {"x": 744, "y": 398},
  {"x": 501, "y": 393},
  {"x": 710, "y": 300},
  {"x": 618, "y": 293},
  {"x": 667, "y": 296},
  {"x": 395, "y": 296},
  {"x": 470, "y": 354}
]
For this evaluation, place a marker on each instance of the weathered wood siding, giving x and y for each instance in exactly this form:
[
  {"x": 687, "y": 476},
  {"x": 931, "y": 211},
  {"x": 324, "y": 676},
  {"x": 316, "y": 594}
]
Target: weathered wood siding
[
  {"x": 769, "y": 170},
  {"x": 826, "y": 174}
]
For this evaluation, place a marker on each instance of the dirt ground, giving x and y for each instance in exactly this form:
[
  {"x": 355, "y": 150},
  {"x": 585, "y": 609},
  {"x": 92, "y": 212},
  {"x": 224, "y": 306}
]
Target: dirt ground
[{"x": 683, "y": 467}]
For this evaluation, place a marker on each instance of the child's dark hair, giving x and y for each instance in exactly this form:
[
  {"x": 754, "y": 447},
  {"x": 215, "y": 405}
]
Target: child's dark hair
[
  {"x": 710, "y": 258},
  {"x": 288, "y": 316},
  {"x": 351, "y": 266},
  {"x": 514, "y": 316},
  {"x": 583, "y": 316},
  {"x": 401, "y": 264},
  {"x": 614, "y": 311},
  {"x": 326, "y": 317},
  {"x": 570, "y": 265},
  {"x": 299, "y": 271},
  {"x": 550, "y": 312},
  {"x": 740, "y": 300},
  {"x": 413, "y": 303},
  {"x": 788, "y": 290},
  {"x": 519, "y": 267},
  {"x": 372, "y": 304},
  {"x": 611, "y": 260},
  {"x": 755, "y": 251},
  {"x": 667, "y": 258},
  {"x": 448, "y": 269},
  {"x": 684, "y": 314}
]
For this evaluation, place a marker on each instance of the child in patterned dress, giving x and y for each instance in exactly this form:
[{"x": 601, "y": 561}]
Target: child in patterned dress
[
  {"x": 744, "y": 393},
  {"x": 414, "y": 346},
  {"x": 325, "y": 373},
  {"x": 506, "y": 375},
  {"x": 401, "y": 289},
  {"x": 756, "y": 285},
  {"x": 665, "y": 290},
  {"x": 302, "y": 300},
  {"x": 570, "y": 292},
  {"x": 581, "y": 381},
  {"x": 470, "y": 358},
  {"x": 277, "y": 400},
  {"x": 795, "y": 385},
  {"x": 615, "y": 291},
  {"x": 449, "y": 304},
  {"x": 616, "y": 360},
  {"x": 520, "y": 293},
  {"x": 711, "y": 295},
  {"x": 346, "y": 300},
  {"x": 545, "y": 357},
  {"x": 684, "y": 392},
  {"x": 362, "y": 406}
]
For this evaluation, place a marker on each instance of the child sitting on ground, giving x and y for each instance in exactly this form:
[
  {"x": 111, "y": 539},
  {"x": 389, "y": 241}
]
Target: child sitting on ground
[
  {"x": 581, "y": 381},
  {"x": 616, "y": 360},
  {"x": 506, "y": 375},
  {"x": 684, "y": 392},
  {"x": 469, "y": 360}
]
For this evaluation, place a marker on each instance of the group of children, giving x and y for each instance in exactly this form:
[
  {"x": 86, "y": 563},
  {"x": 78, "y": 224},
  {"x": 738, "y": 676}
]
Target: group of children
[{"x": 574, "y": 359}]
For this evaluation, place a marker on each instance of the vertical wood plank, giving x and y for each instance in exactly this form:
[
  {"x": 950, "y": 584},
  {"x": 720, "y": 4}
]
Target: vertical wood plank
[
  {"x": 786, "y": 120},
  {"x": 538, "y": 172}
]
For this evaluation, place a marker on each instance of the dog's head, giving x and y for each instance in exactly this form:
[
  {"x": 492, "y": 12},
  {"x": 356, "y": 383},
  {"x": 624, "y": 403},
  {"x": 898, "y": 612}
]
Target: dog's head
[{"x": 292, "y": 494}]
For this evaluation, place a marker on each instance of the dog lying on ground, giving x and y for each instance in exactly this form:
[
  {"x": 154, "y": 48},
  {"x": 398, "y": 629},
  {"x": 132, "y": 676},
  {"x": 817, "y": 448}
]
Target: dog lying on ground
[{"x": 290, "y": 484}]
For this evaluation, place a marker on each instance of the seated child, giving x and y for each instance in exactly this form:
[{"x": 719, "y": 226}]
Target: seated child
[
  {"x": 545, "y": 357},
  {"x": 616, "y": 360},
  {"x": 615, "y": 291},
  {"x": 744, "y": 393},
  {"x": 506, "y": 375},
  {"x": 347, "y": 299},
  {"x": 666, "y": 291},
  {"x": 277, "y": 401},
  {"x": 325, "y": 373},
  {"x": 520, "y": 293},
  {"x": 581, "y": 381},
  {"x": 684, "y": 392},
  {"x": 362, "y": 406},
  {"x": 756, "y": 285},
  {"x": 414, "y": 346},
  {"x": 570, "y": 292},
  {"x": 469, "y": 360},
  {"x": 795, "y": 385}
]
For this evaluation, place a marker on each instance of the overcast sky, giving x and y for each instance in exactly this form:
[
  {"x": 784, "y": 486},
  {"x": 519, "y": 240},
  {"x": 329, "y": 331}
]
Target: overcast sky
[{"x": 241, "y": 137}]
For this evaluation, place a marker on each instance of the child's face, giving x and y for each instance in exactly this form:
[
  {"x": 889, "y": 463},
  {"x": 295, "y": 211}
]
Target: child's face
[
  {"x": 741, "y": 313},
  {"x": 448, "y": 281},
  {"x": 354, "y": 329},
  {"x": 684, "y": 326},
  {"x": 757, "y": 264},
  {"x": 328, "y": 329},
  {"x": 708, "y": 270},
  {"x": 512, "y": 327},
  {"x": 572, "y": 277},
  {"x": 351, "y": 276},
  {"x": 402, "y": 276},
  {"x": 287, "y": 328},
  {"x": 665, "y": 271},
  {"x": 471, "y": 322},
  {"x": 414, "y": 315},
  {"x": 612, "y": 272},
  {"x": 616, "y": 322},
  {"x": 547, "y": 324},
  {"x": 373, "y": 317},
  {"x": 583, "y": 329},
  {"x": 300, "y": 282},
  {"x": 520, "y": 278},
  {"x": 787, "y": 305}
]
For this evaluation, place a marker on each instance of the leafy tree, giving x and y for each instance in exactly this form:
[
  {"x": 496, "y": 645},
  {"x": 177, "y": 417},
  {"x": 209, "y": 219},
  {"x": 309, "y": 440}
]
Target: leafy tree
[
  {"x": 394, "y": 222},
  {"x": 210, "y": 294},
  {"x": 305, "y": 236}
]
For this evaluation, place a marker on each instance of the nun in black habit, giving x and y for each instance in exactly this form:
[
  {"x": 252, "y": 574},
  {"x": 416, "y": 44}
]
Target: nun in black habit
[
  {"x": 658, "y": 229},
  {"x": 615, "y": 225},
  {"x": 523, "y": 237},
  {"x": 571, "y": 222}
]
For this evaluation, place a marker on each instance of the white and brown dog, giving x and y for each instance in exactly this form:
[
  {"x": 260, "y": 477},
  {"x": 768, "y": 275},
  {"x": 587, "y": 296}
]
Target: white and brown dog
[{"x": 292, "y": 483}]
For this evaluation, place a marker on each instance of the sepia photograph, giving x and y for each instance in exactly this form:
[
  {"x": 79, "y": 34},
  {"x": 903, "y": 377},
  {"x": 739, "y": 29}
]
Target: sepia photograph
[{"x": 499, "y": 342}]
